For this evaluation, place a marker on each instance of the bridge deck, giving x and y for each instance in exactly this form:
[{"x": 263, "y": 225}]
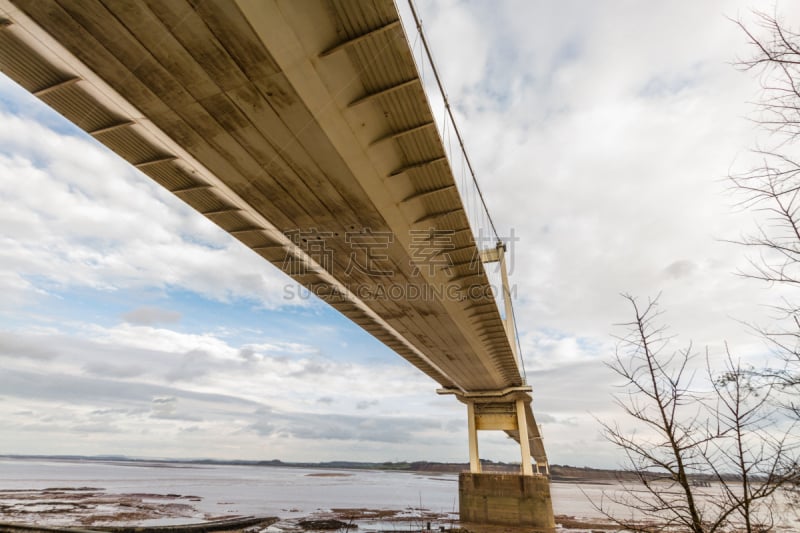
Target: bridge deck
[{"x": 301, "y": 128}]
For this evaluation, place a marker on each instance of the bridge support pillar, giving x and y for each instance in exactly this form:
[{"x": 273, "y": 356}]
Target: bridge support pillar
[
  {"x": 524, "y": 441},
  {"x": 506, "y": 415},
  {"x": 506, "y": 500},
  {"x": 472, "y": 425}
]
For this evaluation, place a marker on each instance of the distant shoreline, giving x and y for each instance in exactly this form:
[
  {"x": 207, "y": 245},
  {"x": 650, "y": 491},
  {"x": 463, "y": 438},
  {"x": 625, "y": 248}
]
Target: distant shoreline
[{"x": 558, "y": 473}]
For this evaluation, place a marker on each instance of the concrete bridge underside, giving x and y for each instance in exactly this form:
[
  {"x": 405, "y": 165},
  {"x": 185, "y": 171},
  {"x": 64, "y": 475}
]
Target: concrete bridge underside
[{"x": 299, "y": 128}]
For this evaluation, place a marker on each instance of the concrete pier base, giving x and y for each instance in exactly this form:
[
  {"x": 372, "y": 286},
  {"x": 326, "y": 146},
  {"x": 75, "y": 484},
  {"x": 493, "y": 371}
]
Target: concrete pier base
[{"x": 506, "y": 500}]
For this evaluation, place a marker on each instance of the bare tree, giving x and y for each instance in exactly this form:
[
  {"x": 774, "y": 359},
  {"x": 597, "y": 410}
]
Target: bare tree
[
  {"x": 728, "y": 430},
  {"x": 722, "y": 433},
  {"x": 749, "y": 444},
  {"x": 771, "y": 189},
  {"x": 656, "y": 390}
]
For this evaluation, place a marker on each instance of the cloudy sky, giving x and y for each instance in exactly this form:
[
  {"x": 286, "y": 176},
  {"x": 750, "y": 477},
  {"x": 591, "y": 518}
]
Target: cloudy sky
[{"x": 601, "y": 133}]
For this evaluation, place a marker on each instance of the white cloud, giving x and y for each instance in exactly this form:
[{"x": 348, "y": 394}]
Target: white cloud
[
  {"x": 608, "y": 157},
  {"x": 75, "y": 215},
  {"x": 126, "y": 379}
]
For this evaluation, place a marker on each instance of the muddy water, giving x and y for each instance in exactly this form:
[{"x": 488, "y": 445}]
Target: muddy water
[
  {"x": 242, "y": 489},
  {"x": 172, "y": 493},
  {"x": 147, "y": 493}
]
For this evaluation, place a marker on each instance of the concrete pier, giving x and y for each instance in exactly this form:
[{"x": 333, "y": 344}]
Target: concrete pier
[{"x": 506, "y": 500}]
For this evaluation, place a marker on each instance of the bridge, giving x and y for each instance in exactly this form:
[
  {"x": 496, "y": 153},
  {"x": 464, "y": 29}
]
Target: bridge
[{"x": 304, "y": 131}]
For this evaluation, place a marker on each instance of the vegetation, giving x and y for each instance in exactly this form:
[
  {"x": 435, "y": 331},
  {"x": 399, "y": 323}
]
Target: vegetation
[
  {"x": 740, "y": 429},
  {"x": 772, "y": 189},
  {"x": 728, "y": 434}
]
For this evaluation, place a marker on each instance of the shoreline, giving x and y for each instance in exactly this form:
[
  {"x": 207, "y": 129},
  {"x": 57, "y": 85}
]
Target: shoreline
[{"x": 558, "y": 473}]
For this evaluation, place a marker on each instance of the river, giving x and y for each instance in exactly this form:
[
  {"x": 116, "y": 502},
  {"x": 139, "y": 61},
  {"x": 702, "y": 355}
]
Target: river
[{"x": 199, "y": 492}]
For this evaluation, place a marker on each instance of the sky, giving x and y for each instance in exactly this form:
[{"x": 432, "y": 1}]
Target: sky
[{"x": 601, "y": 133}]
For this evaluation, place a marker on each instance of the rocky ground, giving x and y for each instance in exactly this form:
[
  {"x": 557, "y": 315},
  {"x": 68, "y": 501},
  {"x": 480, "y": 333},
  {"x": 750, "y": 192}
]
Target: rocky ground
[{"x": 91, "y": 506}]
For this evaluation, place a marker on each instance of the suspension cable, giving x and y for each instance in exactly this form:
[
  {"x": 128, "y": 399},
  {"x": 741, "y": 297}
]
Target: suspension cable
[
  {"x": 418, "y": 22},
  {"x": 519, "y": 343},
  {"x": 455, "y": 129}
]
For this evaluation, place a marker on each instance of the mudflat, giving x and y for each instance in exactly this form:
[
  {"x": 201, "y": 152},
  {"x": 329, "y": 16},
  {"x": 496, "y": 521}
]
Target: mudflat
[{"x": 94, "y": 508}]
